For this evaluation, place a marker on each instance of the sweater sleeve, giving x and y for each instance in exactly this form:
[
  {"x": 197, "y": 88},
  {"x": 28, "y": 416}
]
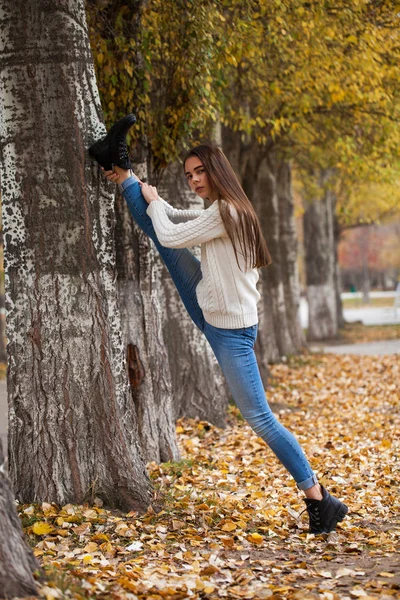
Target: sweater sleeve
[
  {"x": 207, "y": 226},
  {"x": 178, "y": 215}
]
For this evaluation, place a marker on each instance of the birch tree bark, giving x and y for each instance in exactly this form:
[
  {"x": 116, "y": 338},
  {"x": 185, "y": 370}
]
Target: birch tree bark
[
  {"x": 3, "y": 354},
  {"x": 17, "y": 560},
  {"x": 141, "y": 314},
  {"x": 320, "y": 261},
  {"x": 72, "y": 424}
]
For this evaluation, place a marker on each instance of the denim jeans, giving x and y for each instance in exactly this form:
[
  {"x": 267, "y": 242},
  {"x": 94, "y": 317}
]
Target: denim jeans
[{"x": 233, "y": 349}]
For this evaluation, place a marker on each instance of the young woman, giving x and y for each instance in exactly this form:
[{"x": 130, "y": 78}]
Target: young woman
[{"x": 219, "y": 291}]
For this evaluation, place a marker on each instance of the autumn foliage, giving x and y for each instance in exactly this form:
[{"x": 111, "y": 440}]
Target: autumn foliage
[{"x": 230, "y": 523}]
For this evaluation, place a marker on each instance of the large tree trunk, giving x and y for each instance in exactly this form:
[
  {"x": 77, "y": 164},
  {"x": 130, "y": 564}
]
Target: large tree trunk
[
  {"x": 199, "y": 387},
  {"x": 139, "y": 289},
  {"x": 72, "y": 423},
  {"x": 266, "y": 180},
  {"x": 17, "y": 561},
  {"x": 319, "y": 243},
  {"x": 3, "y": 354},
  {"x": 140, "y": 293}
]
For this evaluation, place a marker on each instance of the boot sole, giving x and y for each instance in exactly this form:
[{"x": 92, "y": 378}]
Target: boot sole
[{"x": 99, "y": 151}]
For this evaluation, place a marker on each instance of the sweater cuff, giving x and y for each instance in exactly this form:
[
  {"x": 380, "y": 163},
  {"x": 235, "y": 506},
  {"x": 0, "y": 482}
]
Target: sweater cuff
[{"x": 150, "y": 207}]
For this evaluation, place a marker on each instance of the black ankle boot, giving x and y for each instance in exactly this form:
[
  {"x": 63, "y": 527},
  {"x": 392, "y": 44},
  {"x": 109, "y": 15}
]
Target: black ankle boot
[
  {"x": 112, "y": 151},
  {"x": 325, "y": 514}
]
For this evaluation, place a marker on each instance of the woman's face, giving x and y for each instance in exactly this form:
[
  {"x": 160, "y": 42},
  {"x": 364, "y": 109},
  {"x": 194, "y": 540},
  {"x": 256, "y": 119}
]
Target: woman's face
[{"x": 197, "y": 178}]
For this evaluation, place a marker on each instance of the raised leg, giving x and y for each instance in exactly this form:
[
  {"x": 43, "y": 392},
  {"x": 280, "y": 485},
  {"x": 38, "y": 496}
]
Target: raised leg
[{"x": 182, "y": 265}]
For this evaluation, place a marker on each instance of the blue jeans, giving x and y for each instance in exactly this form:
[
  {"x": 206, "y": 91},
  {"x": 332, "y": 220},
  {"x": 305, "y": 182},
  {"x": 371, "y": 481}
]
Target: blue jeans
[{"x": 233, "y": 348}]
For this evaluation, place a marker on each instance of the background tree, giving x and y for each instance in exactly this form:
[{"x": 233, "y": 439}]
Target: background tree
[
  {"x": 72, "y": 424},
  {"x": 316, "y": 83}
]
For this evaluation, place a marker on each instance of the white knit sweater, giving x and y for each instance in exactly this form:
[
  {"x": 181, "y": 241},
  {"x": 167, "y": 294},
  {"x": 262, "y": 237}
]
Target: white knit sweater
[{"x": 227, "y": 295}]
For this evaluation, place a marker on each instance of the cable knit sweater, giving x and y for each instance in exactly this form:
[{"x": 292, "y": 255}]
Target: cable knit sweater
[{"x": 227, "y": 295}]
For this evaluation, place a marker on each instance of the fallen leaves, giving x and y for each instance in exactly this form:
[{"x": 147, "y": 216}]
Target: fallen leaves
[
  {"x": 356, "y": 332},
  {"x": 230, "y": 526},
  {"x": 42, "y": 528}
]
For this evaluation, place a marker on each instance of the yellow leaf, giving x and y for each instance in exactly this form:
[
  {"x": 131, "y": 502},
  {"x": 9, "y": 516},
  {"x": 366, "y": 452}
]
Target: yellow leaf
[
  {"x": 90, "y": 547},
  {"x": 42, "y": 528},
  {"x": 63, "y": 532},
  {"x": 87, "y": 558},
  {"x": 386, "y": 444},
  {"x": 208, "y": 589},
  {"x": 255, "y": 538},
  {"x": 228, "y": 526}
]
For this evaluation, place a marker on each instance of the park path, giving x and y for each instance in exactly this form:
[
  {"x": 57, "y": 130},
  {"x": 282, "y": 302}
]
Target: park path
[
  {"x": 369, "y": 348},
  {"x": 372, "y": 315}
]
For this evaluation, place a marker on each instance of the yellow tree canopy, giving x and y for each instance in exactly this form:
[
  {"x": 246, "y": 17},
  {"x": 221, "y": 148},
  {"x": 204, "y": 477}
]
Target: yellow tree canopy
[{"x": 319, "y": 80}]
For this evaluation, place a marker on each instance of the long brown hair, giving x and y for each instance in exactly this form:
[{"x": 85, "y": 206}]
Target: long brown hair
[{"x": 226, "y": 187}]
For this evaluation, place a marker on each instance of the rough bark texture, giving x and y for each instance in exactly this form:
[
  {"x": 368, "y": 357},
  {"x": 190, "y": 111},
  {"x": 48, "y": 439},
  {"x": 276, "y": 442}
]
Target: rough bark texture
[
  {"x": 267, "y": 182},
  {"x": 72, "y": 422},
  {"x": 17, "y": 561},
  {"x": 199, "y": 387},
  {"x": 3, "y": 354},
  {"x": 320, "y": 261},
  {"x": 140, "y": 292}
]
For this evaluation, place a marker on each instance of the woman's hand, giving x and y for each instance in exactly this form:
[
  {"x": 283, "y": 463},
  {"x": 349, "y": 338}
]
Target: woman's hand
[
  {"x": 149, "y": 192},
  {"x": 119, "y": 176},
  {"x": 111, "y": 175}
]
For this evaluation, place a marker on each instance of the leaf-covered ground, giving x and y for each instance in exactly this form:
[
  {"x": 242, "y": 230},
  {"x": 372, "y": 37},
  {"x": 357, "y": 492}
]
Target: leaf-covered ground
[
  {"x": 230, "y": 524},
  {"x": 357, "y": 333}
]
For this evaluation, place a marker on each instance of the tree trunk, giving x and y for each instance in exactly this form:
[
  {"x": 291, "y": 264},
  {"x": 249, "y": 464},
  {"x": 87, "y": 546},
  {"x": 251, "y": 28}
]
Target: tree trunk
[
  {"x": 320, "y": 263},
  {"x": 199, "y": 387},
  {"x": 149, "y": 377},
  {"x": 366, "y": 279},
  {"x": 72, "y": 424},
  {"x": 266, "y": 180},
  {"x": 3, "y": 353},
  {"x": 288, "y": 244},
  {"x": 140, "y": 292},
  {"x": 17, "y": 562},
  {"x": 338, "y": 289}
]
